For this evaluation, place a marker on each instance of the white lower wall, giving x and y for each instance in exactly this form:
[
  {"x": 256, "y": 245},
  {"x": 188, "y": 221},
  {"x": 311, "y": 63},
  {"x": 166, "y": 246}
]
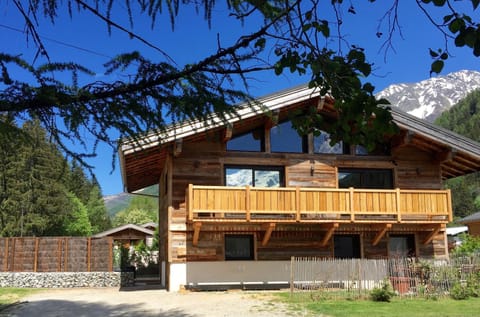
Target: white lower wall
[
  {"x": 178, "y": 276},
  {"x": 228, "y": 272}
]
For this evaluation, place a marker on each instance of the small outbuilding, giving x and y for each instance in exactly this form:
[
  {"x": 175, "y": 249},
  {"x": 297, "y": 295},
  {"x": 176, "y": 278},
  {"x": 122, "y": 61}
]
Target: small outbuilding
[
  {"x": 473, "y": 223},
  {"x": 129, "y": 235}
]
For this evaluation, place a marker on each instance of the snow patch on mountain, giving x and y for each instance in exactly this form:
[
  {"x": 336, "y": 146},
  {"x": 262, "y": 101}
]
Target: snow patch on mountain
[{"x": 428, "y": 98}]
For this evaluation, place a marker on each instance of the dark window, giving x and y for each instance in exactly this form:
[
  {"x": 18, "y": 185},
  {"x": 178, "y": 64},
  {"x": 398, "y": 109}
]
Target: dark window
[
  {"x": 321, "y": 144},
  {"x": 346, "y": 246},
  {"x": 249, "y": 142},
  {"x": 259, "y": 176},
  {"x": 380, "y": 149},
  {"x": 284, "y": 138},
  {"x": 365, "y": 178},
  {"x": 239, "y": 247},
  {"x": 401, "y": 245}
]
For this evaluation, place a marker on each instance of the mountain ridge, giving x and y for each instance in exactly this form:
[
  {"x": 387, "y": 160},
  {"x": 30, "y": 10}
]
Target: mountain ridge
[{"x": 428, "y": 98}]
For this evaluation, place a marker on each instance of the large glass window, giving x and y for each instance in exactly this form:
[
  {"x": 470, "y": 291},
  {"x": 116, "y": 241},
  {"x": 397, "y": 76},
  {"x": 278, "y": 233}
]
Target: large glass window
[
  {"x": 284, "y": 138},
  {"x": 239, "y": 247},
  {"x": 365, "y": 178},
  {"x": 346, "y": 246},
  {"x": 380, "y": 149},
  {"x": 259, "y": 176},
  {"x": 252, "y": 141},
  {"x": 321, "y": 144},
  {"x": 401, "y": 246}
]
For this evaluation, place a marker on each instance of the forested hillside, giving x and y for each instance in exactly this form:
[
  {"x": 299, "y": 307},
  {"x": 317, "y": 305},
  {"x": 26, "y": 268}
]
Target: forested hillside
[
  {"x": 41, "y": 192},
  {"x": 464, "y": 119}
]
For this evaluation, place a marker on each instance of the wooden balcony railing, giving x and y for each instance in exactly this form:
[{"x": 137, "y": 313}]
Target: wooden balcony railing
[{"x": 295, "y": 204}]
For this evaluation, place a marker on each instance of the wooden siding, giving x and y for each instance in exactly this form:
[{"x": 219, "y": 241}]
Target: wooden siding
[
  {"x": 474, "y": 228},
  {"x": 198, "y": 163},
  {"x": 217, "y": 203},
  {"x": 416, "y": 169},
  {"x": 293, "y": 240}
]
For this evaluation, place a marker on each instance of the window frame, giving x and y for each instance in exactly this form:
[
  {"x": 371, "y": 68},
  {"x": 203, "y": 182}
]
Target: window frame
[
  {"x": 261, "y": 130},
  {"x": 364, "y": 171},
  {"x": 280, "y": 169},
  {"x": 411, "y": 244},
  {"x": 345, "y": 148},
  {"x": 251, "y": 251},
  {"x": 356, "y": 239},
  {"x": 303, "y": 139}
]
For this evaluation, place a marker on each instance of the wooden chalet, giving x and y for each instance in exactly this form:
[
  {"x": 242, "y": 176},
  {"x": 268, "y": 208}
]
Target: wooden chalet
[
  {"x": 129, "y": 235},
  {"x": 239, "y": 199}
]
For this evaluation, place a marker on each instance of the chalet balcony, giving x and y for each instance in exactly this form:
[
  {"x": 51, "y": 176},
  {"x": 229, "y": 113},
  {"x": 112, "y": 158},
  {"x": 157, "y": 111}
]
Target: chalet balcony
[{"x": 317, "y": 205}]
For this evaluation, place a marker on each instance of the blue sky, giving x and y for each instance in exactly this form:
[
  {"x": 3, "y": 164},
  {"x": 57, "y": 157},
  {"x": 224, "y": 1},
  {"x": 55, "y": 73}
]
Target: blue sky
[{"x": 85, "y": 40}]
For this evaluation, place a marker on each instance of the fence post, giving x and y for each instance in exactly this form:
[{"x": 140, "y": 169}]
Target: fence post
[
  {"x": 89, "y": 253},
  {"x": 110, "y": 254},
  {"x": 35, "y": 257},
  {"x": 12, "y": 265},
  {"x": 6, "y": 254},
  {"x": 292, "y": 274},
  {"x": 65, "y": 265}
]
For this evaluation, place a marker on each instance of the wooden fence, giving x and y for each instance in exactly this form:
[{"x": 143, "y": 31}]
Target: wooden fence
[
  {"x": 408, "y": 276},
  {"x": 56, "y": 254}
]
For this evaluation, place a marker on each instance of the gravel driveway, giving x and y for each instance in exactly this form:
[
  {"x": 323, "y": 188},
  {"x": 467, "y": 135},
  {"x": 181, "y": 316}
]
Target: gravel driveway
[{"x": 112, "y": 302}]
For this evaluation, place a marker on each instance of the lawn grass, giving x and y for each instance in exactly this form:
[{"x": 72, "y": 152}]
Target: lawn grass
[
  {"x": 421, "y": 307},
  {"x": 10, "y": 295}
]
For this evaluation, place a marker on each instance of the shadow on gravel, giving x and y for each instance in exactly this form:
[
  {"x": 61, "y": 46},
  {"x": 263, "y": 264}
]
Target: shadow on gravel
[{"x": 49, "y": 308}]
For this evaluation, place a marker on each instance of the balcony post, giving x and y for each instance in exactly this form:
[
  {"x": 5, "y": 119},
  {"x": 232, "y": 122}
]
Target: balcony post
[
  {"x": 398, "y": 205},
  {"x": 352, "y": 202},
  {"x": 247, "y": 202},
  {"x": 449, "y": 205},
  {"x": 190, "y": 202},
  {"x": 297, "y": 204}
]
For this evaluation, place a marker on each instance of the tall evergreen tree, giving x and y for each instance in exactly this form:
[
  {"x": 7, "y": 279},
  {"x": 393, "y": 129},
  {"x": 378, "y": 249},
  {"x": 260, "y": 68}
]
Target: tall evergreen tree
[
  {"x": 40, "y": 193},
  {"x": 37, "y": 198},
  {"x": 97, "y": 212}
]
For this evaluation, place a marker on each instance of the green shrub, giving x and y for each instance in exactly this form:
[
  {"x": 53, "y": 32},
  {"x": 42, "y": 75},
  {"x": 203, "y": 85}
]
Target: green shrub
[
  {"x": 459, "y": 292},
  {"x": 383, "y": 293}
]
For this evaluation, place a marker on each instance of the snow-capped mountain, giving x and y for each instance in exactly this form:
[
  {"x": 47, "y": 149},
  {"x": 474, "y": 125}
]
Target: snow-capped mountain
[
  {"x": 429, "y": 98},
  {"x": 242, "y": 177}
]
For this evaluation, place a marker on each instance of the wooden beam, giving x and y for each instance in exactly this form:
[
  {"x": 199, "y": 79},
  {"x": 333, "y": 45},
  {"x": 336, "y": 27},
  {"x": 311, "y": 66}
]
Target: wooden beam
[
  {"x": 432, "y": 234},
  {"x": 403, "y": 139},
  {"x": 196, "y": 232},
  {"x": 445, "y": 156},
  {"x": 381, "y": 233},
  {"x": 177, "y": 147},
  {"x": 329, "y": 234},
  {"x": 268, "y": 232},
  {"x": 227, "y": 133},
  {"x": 320, "y": 104}
]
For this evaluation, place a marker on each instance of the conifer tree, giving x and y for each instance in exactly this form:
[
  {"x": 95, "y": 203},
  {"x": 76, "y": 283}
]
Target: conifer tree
[{"x": 97, "y": 212}]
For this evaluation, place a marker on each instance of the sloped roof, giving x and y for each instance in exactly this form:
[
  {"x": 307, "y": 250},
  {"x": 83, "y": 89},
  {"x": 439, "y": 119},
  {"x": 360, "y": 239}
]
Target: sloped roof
[
  {"x": 129, "y": 226},
  {"x": 453, "y": 231},
  {"x": 471, "y": 218},
  {"x": 150, "y": 224},
  {"x": 141, "y": 161}
]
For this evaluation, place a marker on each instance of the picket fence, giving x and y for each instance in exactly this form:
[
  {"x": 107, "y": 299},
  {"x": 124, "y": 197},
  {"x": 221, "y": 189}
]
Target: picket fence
[{"x": 408, "y": 276}]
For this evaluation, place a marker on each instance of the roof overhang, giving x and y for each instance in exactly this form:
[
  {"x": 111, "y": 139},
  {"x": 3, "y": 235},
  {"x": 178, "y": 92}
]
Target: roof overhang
[{"x": 142, "y": 160}]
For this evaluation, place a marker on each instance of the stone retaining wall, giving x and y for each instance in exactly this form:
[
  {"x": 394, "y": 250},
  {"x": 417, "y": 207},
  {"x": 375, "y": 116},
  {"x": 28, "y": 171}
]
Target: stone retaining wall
[{"x": 66, "y": 279}]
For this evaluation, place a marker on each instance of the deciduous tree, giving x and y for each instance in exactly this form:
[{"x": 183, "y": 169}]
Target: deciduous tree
[{"x": 306, "y": 38}]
